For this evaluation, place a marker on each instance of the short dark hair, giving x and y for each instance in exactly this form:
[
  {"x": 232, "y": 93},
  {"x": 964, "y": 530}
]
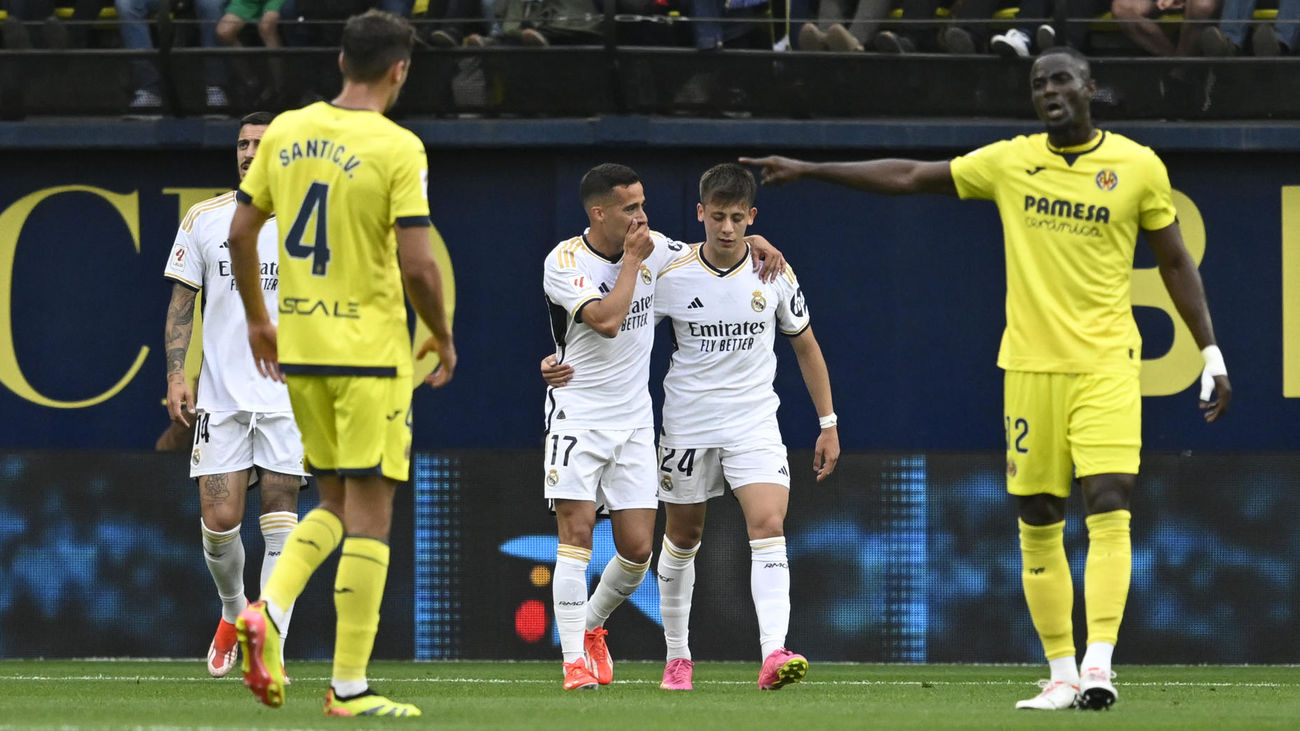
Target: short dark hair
[
  {"x": 728, "y": 183},
  {"x": 373, "y": 42},
  {"x": 257, "y": 119},
  {"x": 1073, "y": 53},
  {"x": 603, "y": 179}
]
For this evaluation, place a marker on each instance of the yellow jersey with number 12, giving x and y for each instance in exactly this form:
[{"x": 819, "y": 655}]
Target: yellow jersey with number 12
[
  {"x": 1070, "y": 218},
  {"x": 338, "y": 181}
]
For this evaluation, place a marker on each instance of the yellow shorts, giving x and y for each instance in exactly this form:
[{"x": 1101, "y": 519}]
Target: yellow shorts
[
  {"x": 1065, "y": 425},
  {"x": 354, "y": 425}
]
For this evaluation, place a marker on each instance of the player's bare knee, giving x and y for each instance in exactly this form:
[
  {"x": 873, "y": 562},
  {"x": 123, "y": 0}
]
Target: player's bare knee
[
  {"x": 767, "y": 526},
  {"x": 684, "y": 536},
  {"x": 220, "y": 517},
  {"x": 1040, "y": 509},
  {"x": 636, "y": 552},
  {"x": 279, "y": 491}
]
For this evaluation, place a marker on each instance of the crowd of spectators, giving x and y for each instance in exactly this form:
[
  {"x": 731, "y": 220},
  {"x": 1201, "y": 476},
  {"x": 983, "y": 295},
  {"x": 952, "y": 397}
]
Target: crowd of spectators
[{"x": 1157, "y": 27}]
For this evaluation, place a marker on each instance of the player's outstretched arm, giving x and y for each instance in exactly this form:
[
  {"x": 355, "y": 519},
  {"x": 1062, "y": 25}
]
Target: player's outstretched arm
[
  {"x": 180, "y": 327},
  {"x": 555, "y": 373},
  {"x": 245, "y": 265},
  {"x": 606, "y": 315},
  {"x": 818, "y": 380},
  {"x": 423, "y": 279},
  {"x": 1183, "y": 281},
  {"x": 886, "y": 177}
]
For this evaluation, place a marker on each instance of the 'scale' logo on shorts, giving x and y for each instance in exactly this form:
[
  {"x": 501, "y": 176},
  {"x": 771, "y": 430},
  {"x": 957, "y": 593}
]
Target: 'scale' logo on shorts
[
  {"x": 1107, "y": 180},
  {"x": 552, "y": 478},
  {"x": 759, "y": 303}
]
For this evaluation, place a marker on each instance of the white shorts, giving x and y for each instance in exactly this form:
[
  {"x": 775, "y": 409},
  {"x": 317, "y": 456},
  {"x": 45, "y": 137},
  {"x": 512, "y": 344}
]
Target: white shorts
[
  {"x": 611, "y": 467},
  {"x": 230, "y": 441},
  {"x": 691, "y": 476}
]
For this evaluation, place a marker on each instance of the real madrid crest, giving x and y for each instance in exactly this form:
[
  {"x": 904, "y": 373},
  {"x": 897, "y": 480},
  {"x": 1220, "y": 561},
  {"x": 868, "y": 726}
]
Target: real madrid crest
[
  {"x": 666, "y": 483},
  {"x": 759, "y": 303},
  {"x": 196, "y": 457},
  {"x": 645, "y": 274},
  {"x": 552, "y": 478}
]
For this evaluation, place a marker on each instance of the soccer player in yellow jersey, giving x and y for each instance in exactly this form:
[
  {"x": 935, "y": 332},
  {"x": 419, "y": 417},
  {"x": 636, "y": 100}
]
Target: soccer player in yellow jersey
[
  {"x": 349, "y": 189},
  {"x": 1072, "y": 201}
]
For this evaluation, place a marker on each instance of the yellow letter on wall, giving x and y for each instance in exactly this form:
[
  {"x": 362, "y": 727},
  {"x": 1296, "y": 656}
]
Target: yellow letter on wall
[
  {"x": 11, "y": 225},
  {"x": 1182, "y": 365},
  {"x": 1291, "y": 291}
]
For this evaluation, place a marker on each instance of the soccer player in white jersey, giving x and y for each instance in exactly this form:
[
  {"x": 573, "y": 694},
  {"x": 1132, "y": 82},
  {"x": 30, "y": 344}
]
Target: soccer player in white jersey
[
  {"x": 599, "y": 448},
  {"x": 244, "y": 428},
  {"x": 719, "y": 419}
]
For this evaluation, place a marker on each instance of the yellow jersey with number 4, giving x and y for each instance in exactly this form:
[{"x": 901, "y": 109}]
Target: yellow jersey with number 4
[
  {"x": 1070, "y": 219},
  {"x": 338, "y": 181}
]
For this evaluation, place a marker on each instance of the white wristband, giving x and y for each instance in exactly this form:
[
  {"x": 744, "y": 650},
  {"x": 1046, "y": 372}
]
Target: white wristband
[
  {"x": 828, "y": 421},
  {"x": 1214, "y": 366}
]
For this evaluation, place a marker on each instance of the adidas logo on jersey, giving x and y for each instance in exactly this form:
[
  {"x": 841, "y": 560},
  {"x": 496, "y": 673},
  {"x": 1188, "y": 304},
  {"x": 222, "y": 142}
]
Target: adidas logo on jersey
[
  {"x": 784, "y": 471},
  {"x": 695, "y": 304},
  {"x": 604, "y": 288}
]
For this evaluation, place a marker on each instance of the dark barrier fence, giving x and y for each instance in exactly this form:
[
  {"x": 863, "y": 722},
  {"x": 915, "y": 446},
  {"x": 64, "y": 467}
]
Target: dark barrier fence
[
  {"x": 593, "y": 80},
  {"x": 899, "y": 558}
]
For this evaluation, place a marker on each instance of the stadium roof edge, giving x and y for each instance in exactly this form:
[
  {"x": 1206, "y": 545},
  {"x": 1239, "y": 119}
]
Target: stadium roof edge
[{"x": 876, "y": 134}]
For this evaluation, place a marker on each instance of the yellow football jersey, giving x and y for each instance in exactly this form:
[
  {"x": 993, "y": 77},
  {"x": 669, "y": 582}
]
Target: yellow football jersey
[
  {"x": 339, "y": 180},
  {"x": 1070, "y": 219}
]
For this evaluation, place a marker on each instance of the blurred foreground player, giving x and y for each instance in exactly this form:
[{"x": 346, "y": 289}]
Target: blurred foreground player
[{"x": 350, "y": 190}]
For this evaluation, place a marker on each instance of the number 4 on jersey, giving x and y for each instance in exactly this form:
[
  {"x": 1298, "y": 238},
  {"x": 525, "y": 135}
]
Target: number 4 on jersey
[{"x": 316, "y": 203}]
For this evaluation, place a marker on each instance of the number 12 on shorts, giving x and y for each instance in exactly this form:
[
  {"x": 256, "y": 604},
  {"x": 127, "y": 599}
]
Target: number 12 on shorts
[{"x": 1019, "y": 429}]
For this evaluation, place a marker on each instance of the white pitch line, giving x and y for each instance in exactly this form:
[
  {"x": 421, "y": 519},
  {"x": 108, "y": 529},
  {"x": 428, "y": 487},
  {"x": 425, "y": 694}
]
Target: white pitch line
[{"x": 503, "y": 681}]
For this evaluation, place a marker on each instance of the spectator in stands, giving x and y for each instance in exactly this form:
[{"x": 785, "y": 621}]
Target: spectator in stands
[
  {"x": 829, "y": 32},
  {"x": 719, "y": 21},
  {"x": 966, "y": 32},
  {"x": 242, "y": 12},
  {"x": 450, "y": 16},
  {"x": 1137, "y": 21},
  {"x": 54, "y": 34},
  {"x": 135, "y": 35},
  {"x": 1034, "y": 28},
  {"x": 1267, "y": 40}
]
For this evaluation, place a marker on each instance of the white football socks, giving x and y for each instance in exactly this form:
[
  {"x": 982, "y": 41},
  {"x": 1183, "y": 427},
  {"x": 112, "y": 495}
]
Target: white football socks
[
  {"x": 1064, "y": 669},
  {"x": 620, "y": 578},
  {"x": 276, "y": 527},
  {"x": 769, "y": 582},
  {"x": 569, "y": 596},
  {"x": 1098, "y": 655},
  {"x": 224, "y": 553},
  {"x": 676, "y": 571}
]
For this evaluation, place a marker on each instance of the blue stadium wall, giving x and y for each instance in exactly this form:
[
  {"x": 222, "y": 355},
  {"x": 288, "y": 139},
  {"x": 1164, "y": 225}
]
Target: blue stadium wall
[{"x": 908, "y": 554}]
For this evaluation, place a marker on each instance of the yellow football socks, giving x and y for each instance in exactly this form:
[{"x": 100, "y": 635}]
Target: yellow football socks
[
  {"x": 1106, "y": 575},
  {"x": 1049, "y": 591},
  {"x": 315, "y": 538},
  {"x": 358, "y": 591}
]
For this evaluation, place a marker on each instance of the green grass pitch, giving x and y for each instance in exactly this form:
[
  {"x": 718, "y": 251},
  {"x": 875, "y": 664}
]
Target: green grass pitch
[{"x": 109, "y": 694}]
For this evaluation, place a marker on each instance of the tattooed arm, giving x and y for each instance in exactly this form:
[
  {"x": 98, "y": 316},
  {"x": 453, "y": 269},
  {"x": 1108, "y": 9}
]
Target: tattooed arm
[{"x": 180, "y": 324}]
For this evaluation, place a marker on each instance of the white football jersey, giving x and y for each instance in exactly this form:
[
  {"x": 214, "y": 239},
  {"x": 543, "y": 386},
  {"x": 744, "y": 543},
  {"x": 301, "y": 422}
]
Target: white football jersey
[
  {"x": 611, "y": 376},
  {"x": 718, "y": 391},
  {"x": 200, "y": 260}
]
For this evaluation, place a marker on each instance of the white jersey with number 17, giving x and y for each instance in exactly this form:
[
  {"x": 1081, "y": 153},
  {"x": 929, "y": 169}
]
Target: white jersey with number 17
[
  {"x": 610, "y": 388},
  {"x": 718, "y": 391}
]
